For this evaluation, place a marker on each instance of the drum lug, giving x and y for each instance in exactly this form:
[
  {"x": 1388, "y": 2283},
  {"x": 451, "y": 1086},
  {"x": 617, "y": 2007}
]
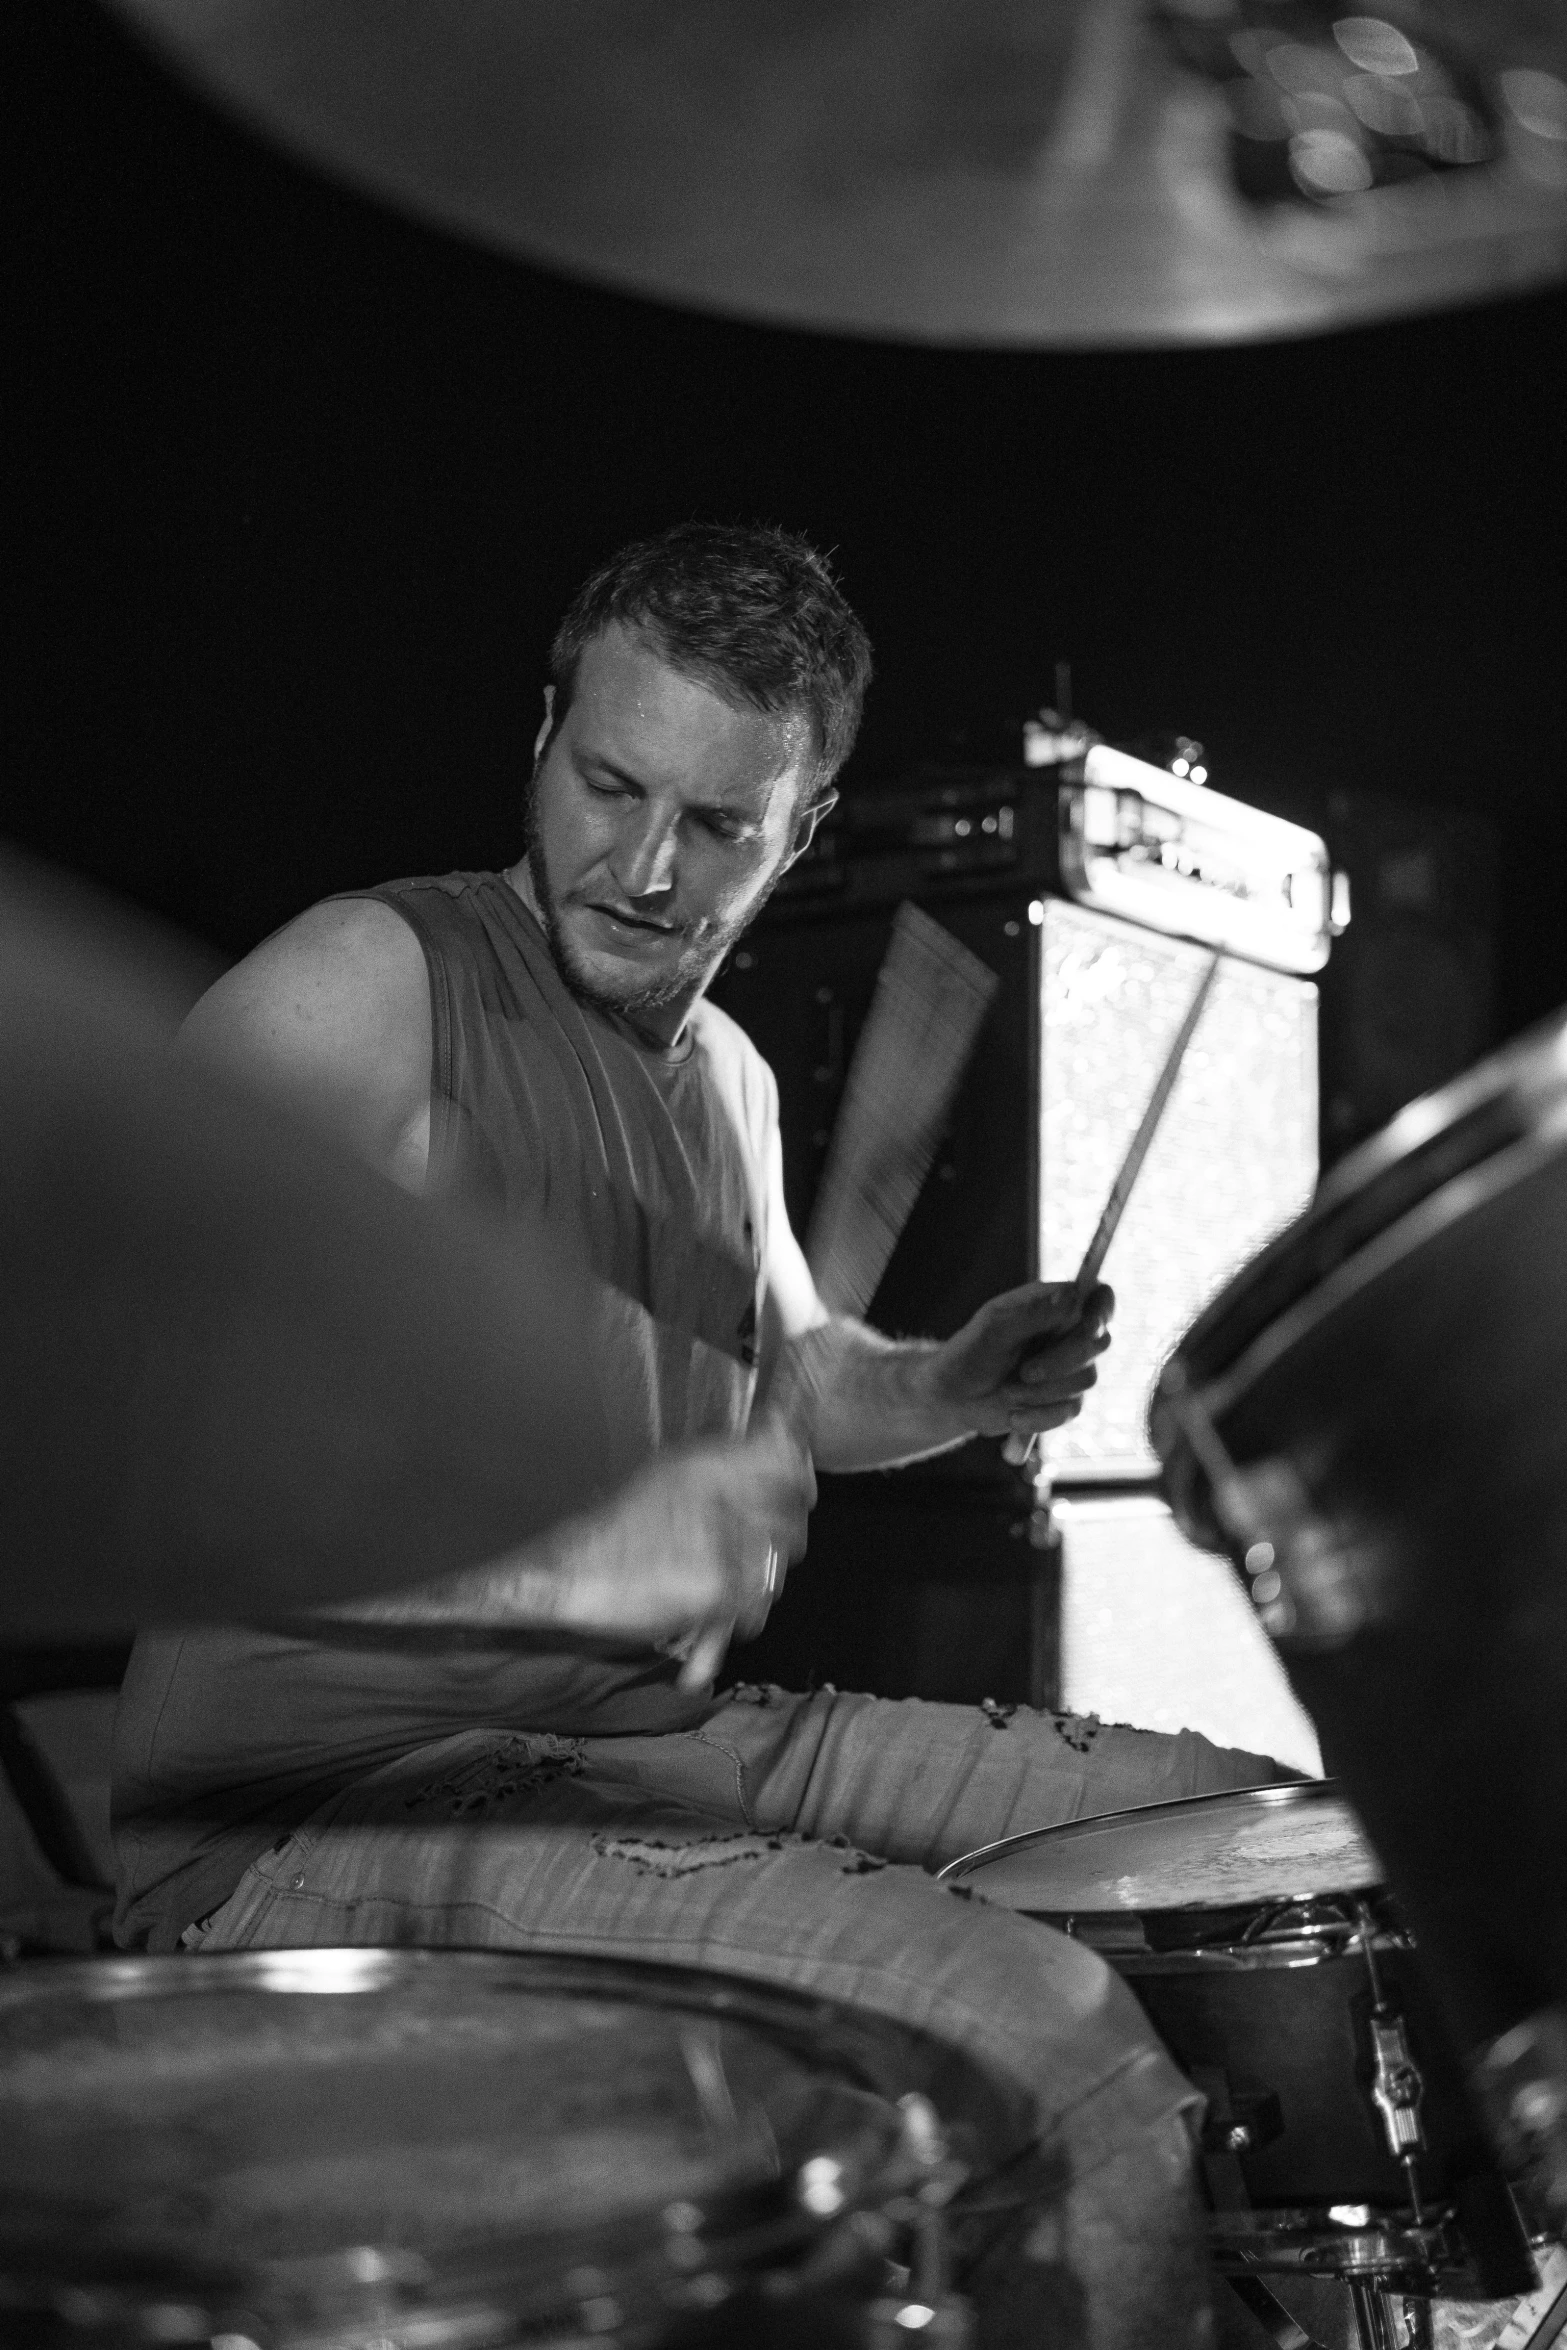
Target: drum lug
[
  {"x": 1237, "y": 2122},
  {"x": 1397, "y": 2083},
  {"x": 1397, "y": 2087},
  {"x": 1250, "y": 2120}
]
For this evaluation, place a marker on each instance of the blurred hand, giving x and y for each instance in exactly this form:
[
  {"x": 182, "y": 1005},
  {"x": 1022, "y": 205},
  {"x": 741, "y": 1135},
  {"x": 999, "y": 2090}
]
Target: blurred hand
[
  {"x": 1022, "y": 1364},
  {"x": 693, "y": 1550}
]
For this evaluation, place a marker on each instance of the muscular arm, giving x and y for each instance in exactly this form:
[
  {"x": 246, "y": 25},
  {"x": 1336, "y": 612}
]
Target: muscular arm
[
  {"x": 1020, "y": 1366},
  {"x": 1017, "y": 1368},
  {"x": 333, "y": 1015}
]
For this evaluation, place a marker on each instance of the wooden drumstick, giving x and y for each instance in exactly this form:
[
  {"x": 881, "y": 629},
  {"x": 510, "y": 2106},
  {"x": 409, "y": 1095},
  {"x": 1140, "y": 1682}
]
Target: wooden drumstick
[
  {"x": 1131, "y": 1167},
  {"x": 931, "y": 998}
]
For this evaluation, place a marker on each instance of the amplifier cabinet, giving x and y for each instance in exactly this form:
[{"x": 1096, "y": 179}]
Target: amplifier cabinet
[
  {"x": 1157, "y": 1632},
  {"x": 1065, "y": 1064}
]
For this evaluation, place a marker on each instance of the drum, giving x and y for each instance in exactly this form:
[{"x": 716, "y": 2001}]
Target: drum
[
  {"x": 1371, "y": 1419},
  {"x": 421, "y": 2150},
  {"x": 1257, "y": 1932}
]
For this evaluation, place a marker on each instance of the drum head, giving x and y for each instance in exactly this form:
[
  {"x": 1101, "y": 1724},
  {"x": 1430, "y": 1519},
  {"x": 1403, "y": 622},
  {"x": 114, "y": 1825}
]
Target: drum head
[
  {"x": 281, "y": 2133},
  {"x": 1245, "y": 1849}
]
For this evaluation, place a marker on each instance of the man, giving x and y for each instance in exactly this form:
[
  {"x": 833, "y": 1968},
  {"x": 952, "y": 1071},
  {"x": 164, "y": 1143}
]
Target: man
[{"x": 538, "y": 1040}]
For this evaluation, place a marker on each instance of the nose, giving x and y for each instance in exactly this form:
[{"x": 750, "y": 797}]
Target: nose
[{"x": 644, "y": 864}]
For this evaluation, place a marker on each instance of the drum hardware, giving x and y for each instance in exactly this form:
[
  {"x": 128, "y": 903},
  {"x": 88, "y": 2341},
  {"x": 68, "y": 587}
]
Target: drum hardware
[
  {"x": 924, "y": 2305},
  {"x": 1339, "y": 2142},
  {"x": 1244, "y": 2120},
  {"x": 1347, "y": 2241},
  {"x": 1276, "y": 2321},
  {"x": 1378, "y": 2325},
  {"x": 1397, "y": 2085}
]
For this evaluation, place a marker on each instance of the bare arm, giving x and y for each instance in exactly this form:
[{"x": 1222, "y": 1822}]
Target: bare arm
[
  {"x": 694, "y": 1547},
  {"x": 1018, "y": 1367},
  {"x": 1021, "y": 1365},
  {"x": 333, "y": 1014}
]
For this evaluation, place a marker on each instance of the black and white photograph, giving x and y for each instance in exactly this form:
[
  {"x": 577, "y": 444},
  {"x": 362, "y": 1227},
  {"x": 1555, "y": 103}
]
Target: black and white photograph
[{"x": 783, "y": 1176}]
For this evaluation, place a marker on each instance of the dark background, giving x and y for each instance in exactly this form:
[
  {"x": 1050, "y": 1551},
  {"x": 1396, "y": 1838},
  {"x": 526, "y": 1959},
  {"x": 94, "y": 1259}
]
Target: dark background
[{"x": 304, "y": 487}]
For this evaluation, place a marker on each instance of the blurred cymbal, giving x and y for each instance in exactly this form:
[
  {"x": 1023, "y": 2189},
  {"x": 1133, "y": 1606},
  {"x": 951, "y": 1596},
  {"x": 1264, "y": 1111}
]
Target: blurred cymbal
[
  {"x": 240, "y": 1373},
  {"x": 1050, "y": 172}
]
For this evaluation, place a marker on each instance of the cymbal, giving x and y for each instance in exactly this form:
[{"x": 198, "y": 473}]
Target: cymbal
[
  {"x": 240, "y": 1373},
  {"x": 1049, "y": 172}
]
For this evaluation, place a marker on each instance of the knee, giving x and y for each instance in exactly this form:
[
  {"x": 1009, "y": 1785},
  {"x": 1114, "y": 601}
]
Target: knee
[{"x": 1095, "y": 2251}]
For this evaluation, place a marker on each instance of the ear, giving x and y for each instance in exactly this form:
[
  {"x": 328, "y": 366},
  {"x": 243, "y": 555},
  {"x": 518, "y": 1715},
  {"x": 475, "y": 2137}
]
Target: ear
[
  {"x": 543, "y": 735},
  {"x": 805, "y": 827}
]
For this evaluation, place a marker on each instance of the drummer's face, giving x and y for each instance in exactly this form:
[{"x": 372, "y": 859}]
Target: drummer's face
[{"x": 659, "y": 818}]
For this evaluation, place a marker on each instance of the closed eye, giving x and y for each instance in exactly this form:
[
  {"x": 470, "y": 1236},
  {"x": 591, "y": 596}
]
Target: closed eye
[{"x": 725, "y": 827}]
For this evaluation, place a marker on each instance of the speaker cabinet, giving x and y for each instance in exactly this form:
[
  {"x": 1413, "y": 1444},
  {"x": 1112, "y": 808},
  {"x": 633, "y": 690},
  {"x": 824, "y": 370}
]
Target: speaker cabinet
[
  {"x": 1065, "y": 1064},
  {"x": 1408, "y": 996}
]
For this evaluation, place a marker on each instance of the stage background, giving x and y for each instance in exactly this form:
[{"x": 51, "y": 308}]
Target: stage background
[{"x": 303, "y": 487}]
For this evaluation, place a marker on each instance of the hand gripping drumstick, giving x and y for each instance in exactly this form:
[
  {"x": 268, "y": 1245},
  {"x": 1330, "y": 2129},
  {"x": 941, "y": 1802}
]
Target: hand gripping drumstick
[{"x": 1131, "y": 1167}]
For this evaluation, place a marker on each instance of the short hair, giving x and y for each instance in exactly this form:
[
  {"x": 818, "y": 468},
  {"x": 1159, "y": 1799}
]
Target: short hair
[{"x": 750, "y": 610}]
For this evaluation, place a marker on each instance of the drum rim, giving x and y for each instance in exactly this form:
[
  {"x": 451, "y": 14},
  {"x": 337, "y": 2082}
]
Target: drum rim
[
  {"x": 1280, "y": 1795},
  {"x": 1493, "y": 1106},
  {"x": 835, "y": 2040},
  {"x": 1462, "y": 1193},
  {"x": 1528, "y": 1067},
  {"x": 829, "y": 2031}
]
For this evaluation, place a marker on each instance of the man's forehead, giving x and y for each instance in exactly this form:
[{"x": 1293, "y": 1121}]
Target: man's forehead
[{"x": 631, "y": 705}]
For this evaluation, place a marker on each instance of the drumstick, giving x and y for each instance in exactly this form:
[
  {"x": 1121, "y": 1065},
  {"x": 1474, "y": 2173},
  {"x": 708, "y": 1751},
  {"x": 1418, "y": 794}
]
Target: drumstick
[
  {"x": 931, "y": 996},
  {"x": 1131, "y": 1167}
]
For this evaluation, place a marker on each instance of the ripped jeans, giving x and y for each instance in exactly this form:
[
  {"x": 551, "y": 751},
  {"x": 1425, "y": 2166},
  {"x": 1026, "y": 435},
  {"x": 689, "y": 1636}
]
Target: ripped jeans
[{"x": 789, "y": 1839}]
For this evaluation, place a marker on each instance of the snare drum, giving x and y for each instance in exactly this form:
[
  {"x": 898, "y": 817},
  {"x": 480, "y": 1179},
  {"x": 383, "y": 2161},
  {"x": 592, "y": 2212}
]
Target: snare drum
[
  {"x": 1256, "y": 1931},
  {"x": 436, "y": 2150}
]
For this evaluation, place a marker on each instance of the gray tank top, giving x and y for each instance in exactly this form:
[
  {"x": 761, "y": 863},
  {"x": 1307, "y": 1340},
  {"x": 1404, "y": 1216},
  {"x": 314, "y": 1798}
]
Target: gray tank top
[{"x": 656, "y": 1164}]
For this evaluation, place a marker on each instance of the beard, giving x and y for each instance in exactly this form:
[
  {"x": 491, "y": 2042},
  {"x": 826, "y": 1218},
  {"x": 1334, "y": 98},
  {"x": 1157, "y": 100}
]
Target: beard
[{"x": 683, "y": 981}]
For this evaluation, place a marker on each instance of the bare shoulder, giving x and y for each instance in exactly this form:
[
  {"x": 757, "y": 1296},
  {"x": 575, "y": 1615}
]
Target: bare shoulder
[
  {"x": 348, "y": 965},
  {"x": 741, "y": 1075},
  {"x": 334, "y": 1012},
  {"x": 730, "y": 1050}
]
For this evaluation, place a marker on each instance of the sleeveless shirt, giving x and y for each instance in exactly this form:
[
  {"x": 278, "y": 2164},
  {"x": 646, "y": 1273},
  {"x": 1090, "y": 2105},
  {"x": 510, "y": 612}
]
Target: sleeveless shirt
[{"x": 657, "y": 1163}]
